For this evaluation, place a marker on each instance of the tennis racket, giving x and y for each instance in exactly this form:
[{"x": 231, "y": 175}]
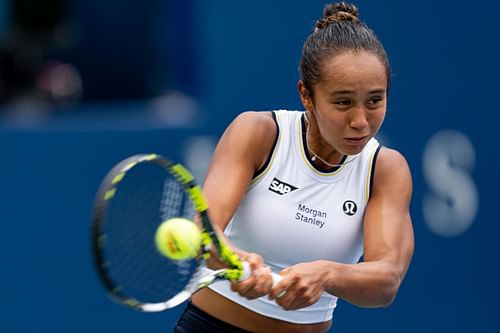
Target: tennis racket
[{"x": 135, "y": 197}]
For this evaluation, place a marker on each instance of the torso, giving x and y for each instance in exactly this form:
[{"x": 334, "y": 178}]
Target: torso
[
  {"x": 220, "y": 307},
  {"x": 314, "y": 207}
]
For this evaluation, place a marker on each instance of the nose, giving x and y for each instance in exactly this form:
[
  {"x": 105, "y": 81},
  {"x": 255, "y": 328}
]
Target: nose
[{"x": 358, "y": 118}]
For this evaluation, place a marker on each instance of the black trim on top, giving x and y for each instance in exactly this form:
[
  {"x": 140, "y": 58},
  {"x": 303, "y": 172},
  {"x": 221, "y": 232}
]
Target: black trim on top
[
  {"x": 372, "y": 173},
  {"x": 308, "y": 154},
  {"x": 271, "y": 152}
]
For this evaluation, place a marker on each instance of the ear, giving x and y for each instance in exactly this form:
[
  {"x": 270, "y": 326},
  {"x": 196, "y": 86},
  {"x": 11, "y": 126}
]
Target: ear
[{"x": 305, "y": 96}]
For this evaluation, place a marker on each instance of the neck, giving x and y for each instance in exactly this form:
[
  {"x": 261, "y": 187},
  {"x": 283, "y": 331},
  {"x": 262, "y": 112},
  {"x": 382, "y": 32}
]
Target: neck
[{"x": 317, "y": 158}]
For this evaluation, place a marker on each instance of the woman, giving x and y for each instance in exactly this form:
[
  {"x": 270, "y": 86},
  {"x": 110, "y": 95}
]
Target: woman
[{"x": 306, "y": 194}]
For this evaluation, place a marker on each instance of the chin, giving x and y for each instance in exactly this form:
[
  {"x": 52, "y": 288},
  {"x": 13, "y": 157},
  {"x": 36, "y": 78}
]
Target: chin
[{"x": 353, "y": 150}]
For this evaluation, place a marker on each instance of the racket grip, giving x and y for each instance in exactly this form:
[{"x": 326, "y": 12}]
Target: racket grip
[
  {"x": 276, "y": 278},
  {"x": 247, "y": 271}
]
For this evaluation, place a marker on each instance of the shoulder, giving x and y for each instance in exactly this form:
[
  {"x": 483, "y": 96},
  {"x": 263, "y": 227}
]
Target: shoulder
[
  {"x": 253, "y": 134},
  {"x": 391, "y": 159},
  {"x": 392, "y": 170},
  {"x": 255, "y": 120},
  {"x": 253, "y": 127}
]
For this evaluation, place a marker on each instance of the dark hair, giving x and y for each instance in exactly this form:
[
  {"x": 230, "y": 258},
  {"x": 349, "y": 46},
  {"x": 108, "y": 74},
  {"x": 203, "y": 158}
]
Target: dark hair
[{"x": 338, "y": 31}]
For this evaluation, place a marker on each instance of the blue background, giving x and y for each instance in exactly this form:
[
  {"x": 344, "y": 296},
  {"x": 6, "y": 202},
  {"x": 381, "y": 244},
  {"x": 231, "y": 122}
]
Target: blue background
[{"x": 231, "y": 57}]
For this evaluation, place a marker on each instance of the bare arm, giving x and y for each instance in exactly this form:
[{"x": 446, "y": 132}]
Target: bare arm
[
  {"x": 388, "y": 248},
  {"x": 243, "y": 149},
  {"x": 388, "y": 238}
]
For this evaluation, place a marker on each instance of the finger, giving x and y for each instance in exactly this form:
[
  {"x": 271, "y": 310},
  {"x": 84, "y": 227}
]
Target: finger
[
  {"x": 259, "y": 280},
  {"x": 277, "y": 292},
  {"x": 279, "y": 289},
  {"x": 261, "y": 271},
  {"x": 264, "y": 280},
  {"x": 291, "y": 300},
  {"x": 282, "y": 287},
  {"x": 286, "y": 300},
  {"x": 295, "y": 303},
  {"x": 253, "y": 279},
  {"x": 285, "y": 271},
  {"x": 299, "y": 299},
  {"x": 255, "y": 261},
  {"x": 243, "y": 286},
  {"x": 263, "y": 284}
]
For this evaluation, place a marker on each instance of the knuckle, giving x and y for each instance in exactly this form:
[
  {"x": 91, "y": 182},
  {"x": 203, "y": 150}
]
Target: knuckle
[
  {"x": 309, "y": 299},
  {"x": 248, "y": 282},
  {"x": 283, "y": 303},
  {"x": 254, "y": 258},
  {"x": 249, "y": 297},
  {"x": 302, "y": 287},
  {"x": 262, "y": 290}
]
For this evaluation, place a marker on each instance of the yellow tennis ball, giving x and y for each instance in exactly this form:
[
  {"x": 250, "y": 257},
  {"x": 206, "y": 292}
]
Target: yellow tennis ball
[{"x": 178, "y": 239}]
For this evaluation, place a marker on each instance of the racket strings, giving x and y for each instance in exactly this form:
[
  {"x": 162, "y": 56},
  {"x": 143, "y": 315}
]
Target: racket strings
[
  {"x": 145, "y": 197},
  {"x": 174, "y": 201}
]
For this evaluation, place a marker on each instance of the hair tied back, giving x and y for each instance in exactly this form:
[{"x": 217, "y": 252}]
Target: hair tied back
[{"x": 335, "y": 12}]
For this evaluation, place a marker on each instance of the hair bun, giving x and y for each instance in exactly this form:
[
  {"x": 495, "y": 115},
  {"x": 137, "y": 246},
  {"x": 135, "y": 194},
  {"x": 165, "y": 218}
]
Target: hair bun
[{"x": 338, "y": 11}]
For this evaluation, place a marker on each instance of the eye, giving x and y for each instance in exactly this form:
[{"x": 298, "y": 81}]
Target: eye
[
  {"x": 375, "y": 102},
  {"x": 342, "y": 102}
]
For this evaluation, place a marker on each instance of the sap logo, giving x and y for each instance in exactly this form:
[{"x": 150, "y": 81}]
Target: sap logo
[{"x": 279, "y": 187}]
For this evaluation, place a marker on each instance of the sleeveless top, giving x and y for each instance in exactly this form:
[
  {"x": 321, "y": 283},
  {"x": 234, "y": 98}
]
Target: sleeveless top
[{"x": 294, "y": 213}]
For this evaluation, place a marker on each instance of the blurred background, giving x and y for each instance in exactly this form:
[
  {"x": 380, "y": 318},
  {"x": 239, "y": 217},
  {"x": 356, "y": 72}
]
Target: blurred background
[{"x": 84, "y": 84}]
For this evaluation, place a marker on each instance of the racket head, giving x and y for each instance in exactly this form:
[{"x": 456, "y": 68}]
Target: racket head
[{"x": 135, "y": 197}]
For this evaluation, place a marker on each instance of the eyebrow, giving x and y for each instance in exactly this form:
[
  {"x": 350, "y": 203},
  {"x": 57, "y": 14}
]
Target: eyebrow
[
  {"x": 378, "y": 91},
  {"x": 350, "y": 92}
]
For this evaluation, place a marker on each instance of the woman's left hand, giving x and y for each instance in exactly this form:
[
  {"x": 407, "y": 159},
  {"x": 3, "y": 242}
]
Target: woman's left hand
[{"x": 301, "y": 286}]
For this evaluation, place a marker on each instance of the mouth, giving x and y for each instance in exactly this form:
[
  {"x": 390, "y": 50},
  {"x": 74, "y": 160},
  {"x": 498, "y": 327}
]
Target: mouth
[{"x": 356, "y": 141}]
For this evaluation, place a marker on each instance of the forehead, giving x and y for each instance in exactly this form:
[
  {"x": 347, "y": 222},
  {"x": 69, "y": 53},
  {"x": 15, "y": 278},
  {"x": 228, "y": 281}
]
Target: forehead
[{"x": 353, "y": 68}]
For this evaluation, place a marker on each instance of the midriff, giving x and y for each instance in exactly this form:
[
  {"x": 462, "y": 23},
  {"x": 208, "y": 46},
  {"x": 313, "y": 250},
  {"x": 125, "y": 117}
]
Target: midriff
[{"x": 226, "y": 310}]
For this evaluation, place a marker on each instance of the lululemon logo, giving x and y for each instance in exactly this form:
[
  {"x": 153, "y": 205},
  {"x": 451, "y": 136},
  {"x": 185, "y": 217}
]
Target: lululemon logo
[{"x": 350, "y": 208}]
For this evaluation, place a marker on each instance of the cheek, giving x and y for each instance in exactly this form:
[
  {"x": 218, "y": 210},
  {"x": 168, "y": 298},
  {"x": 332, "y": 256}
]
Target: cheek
[
  {"x": 377, "y": 119},
  {"x": 332, "y": 128}
]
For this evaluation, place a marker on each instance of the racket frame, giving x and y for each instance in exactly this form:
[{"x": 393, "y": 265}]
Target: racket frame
[{"x": 237, "y": 269}]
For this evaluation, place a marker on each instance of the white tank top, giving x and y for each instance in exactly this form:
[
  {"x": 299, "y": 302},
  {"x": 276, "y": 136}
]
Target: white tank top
[{"x": 293, "y": 213}]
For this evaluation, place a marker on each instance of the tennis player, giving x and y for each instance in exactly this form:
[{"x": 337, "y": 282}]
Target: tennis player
[{"x": 308, "y": 193}]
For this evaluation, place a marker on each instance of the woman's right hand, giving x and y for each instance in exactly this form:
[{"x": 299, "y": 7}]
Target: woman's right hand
[{"x": 259, "y": 283}]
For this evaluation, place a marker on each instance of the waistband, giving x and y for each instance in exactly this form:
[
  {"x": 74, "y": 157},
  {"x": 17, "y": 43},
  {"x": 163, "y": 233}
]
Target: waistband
[{"x": 194, "y": 320}]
